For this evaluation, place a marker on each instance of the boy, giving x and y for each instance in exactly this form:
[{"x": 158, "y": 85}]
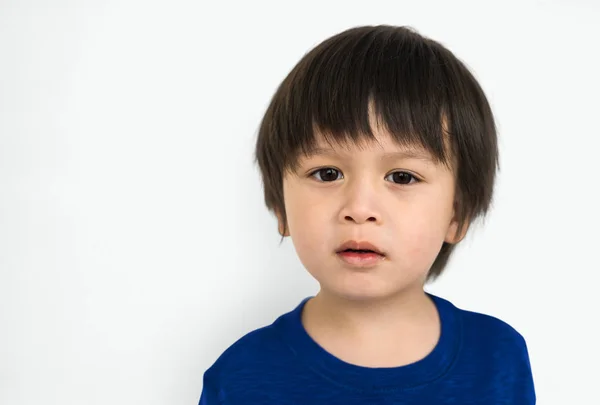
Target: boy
[{"x": 377, "y": 152}]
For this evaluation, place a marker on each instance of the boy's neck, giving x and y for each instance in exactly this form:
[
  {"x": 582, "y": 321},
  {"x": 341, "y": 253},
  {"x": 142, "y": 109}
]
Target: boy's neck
[{"x": 383, "y": 333}]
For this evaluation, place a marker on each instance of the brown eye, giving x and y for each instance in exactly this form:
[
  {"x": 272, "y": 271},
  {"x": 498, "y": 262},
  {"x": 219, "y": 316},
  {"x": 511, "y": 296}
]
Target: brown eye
[
  {"x": 327, "y": 174},
  {"x": 402, "y": 177}
]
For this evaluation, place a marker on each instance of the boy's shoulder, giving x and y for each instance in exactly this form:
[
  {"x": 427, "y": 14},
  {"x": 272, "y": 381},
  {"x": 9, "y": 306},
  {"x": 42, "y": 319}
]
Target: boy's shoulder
[
  {"x": 487, "y": 337},
  {"x": 476, "y": 325},
  {"x": 491, "y": 328},
  {"x": 250, "y": 351}
]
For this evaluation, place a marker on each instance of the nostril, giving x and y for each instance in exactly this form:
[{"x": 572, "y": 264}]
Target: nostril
[{"x": 349, "y": 218}]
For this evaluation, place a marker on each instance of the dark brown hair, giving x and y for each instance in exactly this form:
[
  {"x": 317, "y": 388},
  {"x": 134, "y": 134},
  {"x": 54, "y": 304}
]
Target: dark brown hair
[{"x": 419, "y": 91}]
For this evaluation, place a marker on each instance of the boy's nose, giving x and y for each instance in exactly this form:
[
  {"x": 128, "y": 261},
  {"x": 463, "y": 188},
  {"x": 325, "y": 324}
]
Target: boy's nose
[
  {"x": 360, "y": 210},
  {"x": 359, "y": 218},
  {"x": 360, "y": 202}
]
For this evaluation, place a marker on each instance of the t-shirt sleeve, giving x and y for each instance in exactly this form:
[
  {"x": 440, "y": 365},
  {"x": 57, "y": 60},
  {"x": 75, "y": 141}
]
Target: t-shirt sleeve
[
  {"x": 525, "y": 390},
  {"x": 210, "y": 391}
]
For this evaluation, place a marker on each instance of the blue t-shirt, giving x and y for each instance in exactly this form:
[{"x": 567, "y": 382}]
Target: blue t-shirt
[{"x": 478, "y": 359}]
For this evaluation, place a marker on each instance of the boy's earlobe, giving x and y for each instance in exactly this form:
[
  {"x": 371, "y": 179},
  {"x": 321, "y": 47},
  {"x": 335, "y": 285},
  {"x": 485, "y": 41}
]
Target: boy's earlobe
[
  {"x": 280, "y": 225},
  {"x": 287, "y": 233},
  {"x": 452, "y": 236}
]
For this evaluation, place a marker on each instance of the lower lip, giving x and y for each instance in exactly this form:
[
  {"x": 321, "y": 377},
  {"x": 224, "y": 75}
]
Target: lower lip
[{"x": 361, "y": 259}]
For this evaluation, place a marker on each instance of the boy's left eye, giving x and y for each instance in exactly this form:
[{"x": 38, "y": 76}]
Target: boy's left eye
[
  {"x": 327, "y": 174},
  {"x": 402, "y": 178}
]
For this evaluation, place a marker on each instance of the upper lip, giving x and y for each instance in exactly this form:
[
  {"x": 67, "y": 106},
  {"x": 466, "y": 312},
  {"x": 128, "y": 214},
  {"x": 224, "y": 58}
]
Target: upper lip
[{"x": 354, "y": 245}]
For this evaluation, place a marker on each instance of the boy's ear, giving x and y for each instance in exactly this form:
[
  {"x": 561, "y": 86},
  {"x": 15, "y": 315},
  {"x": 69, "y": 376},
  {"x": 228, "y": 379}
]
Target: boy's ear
[
  {"x": 451, "y": 236},
  {"x": 280, "y": 224}
]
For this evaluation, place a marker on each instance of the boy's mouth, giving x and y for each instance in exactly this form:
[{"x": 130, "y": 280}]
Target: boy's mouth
[
  {"x": 360, "y": 254},
  {"x": 359, "y": 248}
]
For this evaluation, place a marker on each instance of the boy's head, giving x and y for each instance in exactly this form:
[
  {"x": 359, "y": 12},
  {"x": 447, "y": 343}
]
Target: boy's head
[{"x": 378, "y": 134}]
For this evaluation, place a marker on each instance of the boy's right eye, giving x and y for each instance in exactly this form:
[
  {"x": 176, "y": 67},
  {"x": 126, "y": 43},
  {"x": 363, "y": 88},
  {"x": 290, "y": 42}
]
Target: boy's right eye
[{"x": 327, "y": 174}]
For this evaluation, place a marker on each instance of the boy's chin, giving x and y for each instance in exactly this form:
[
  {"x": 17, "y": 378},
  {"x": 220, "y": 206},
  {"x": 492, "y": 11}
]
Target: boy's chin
[{"x": 364, "y": 294}]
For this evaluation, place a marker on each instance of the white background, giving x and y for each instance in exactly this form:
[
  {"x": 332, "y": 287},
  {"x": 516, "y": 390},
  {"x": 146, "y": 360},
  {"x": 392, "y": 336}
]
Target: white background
[{"x": 134, "y": 244}]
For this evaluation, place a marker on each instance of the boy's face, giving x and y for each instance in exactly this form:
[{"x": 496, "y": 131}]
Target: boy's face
[{"x": 402, "y": 205}]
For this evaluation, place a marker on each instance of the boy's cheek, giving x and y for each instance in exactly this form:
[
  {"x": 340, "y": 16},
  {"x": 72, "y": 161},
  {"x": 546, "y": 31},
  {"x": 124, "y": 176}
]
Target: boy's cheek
[{"x": 423, "y": 248}]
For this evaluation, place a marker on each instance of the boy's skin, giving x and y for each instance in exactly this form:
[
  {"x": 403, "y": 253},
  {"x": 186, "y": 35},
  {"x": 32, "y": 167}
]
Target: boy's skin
[{"x": 375, "y": 316}]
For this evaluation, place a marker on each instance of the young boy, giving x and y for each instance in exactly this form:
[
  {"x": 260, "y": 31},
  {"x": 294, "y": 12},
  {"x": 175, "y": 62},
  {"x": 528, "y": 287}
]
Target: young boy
[{"x": 377, "y": 152}]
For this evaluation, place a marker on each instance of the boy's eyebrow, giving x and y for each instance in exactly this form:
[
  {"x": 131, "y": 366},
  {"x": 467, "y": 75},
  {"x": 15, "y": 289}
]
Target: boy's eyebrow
[{"x": 399, "y": 155}]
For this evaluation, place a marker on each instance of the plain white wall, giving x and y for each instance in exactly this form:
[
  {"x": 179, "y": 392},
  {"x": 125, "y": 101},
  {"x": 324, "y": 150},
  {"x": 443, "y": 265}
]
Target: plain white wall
[{"x": 134, "y": 244}]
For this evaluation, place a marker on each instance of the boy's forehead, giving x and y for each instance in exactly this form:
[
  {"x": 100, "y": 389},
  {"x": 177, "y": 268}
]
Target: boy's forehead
[{"x": 383, "y": 144}]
